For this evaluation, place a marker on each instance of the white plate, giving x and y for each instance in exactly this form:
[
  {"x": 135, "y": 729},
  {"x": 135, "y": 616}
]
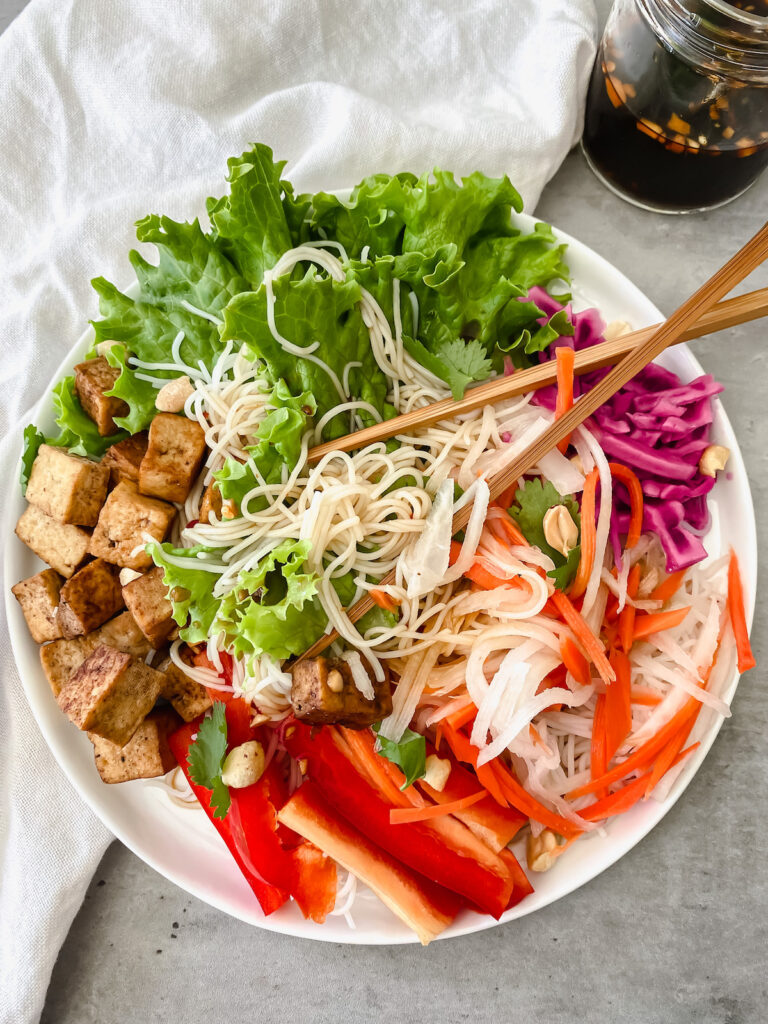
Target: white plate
[{"x": 182, "y": 845}]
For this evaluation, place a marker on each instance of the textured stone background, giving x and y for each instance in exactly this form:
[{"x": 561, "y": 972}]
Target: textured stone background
[{"x": 675, "y": 932}]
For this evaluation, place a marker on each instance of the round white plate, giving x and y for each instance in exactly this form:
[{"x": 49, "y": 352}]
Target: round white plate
[{"x": 182, "y": 845}]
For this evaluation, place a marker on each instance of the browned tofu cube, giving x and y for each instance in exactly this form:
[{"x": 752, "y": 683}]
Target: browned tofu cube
[
  {"x": 127, "y": 520},
  {"x": 124, "y": 458},
  {"x": 147, "y": 600},
  {"x": 146, "y": 755},
  {"x": 323, "y": 692},
  {"x": 92, "y": 379},
  {"x": 174, "y": 456},
  {"x": 110, "y": 694},
  {"x": 89, "y": 598},
  {"x": 62, "y": 547},
  {"x": 62, "y": 657},
  {"x": 188, "y": 697},
  {"x": 67, "y": 487},
  {"x": 39, "y": 598}
]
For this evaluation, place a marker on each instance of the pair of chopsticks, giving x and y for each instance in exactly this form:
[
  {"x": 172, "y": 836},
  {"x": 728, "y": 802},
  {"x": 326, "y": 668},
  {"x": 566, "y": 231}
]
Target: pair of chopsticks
[{"x": 699, "y": 314}]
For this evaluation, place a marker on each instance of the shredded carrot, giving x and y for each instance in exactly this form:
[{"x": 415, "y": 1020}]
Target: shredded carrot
[
  {"x": 618, "y": 706},
  {"x": 668, "y": 587},
  {"x": 566, "y": 357},
  {"x": 405, "y": 815},
  {"x": 511, "y": 529},
  {"x": 643, "y": 756},
  {"x": 657, "y": 622},
  {"x": 588, "y": 538},
  {"x": 460, "y": 717},
  {"x": 746, "y": 659},
  {"x": 455, "y": 552},
  {"x": 383, "y": 600},
  {"x": 598, "y": 755},
  {"x": 522, "y": 800},
  {"x": 575, "y": 662},
  {"x": 626, "y": 797},
  {"x": 633, "y": 581},
  {"x": 535, "y": 735},
  {"x": 584, "y": 635},
  {"x": 633, "y": 485},
  {"x": 464, "y": 751},
  {"x": 666, "y": 757},
  {"x": 644, "y": 697},
  {"x": 506, "y": 498},
  {"x": 485, "y": 579}
]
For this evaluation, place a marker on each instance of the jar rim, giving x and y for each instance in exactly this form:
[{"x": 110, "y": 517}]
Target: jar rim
[{"x": 759, "y": 21}]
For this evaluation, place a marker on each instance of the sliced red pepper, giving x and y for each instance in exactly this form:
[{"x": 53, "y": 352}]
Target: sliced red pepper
[
  {"x": 270, "y": 898},
  {"x": 472, "y": 870},
  {"x": 422, "y": 905}
]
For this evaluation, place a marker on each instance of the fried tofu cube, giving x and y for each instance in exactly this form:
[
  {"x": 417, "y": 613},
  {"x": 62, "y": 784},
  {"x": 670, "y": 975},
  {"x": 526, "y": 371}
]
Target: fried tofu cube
[
  {"x": 93, "y": 378},
  {"x": 89, "y": 598},
  {"x": 62, "y": 657},
  {"x": 147, "y": 600},
  {"x": 124, "y": 458},
  {"x": 174, "y": 456},
  {"x": 66, "y": 487},
  {"x": 188, "y": 697},
  {"x": 110, "y": 694},
  {"x": 62, "y": 547},
  {"x": 146, "y": 755},
  {"x": 39, "y": 598},
  {"x": 323, "y": 692},
  {"x": 127, "y": 520}
]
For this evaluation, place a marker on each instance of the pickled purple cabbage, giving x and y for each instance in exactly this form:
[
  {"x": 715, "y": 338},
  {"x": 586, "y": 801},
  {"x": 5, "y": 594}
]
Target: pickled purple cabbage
[{"x": 659, "y": 427}]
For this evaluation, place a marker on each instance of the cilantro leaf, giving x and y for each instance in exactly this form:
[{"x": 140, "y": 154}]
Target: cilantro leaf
[
  {"x": 409, "y": 754},
  {"x": 534, "y": 499},
  {"x": 32, "y": 441},
  {"x": 206, "y": 758},
  {"x": 465, "y": 361}
]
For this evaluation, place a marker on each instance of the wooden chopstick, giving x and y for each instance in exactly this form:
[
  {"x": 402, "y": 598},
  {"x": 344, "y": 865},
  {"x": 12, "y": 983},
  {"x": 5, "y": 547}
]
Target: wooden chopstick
[
  {"x": 685, "y": 316},
  {"x": 729, "y": 313}
]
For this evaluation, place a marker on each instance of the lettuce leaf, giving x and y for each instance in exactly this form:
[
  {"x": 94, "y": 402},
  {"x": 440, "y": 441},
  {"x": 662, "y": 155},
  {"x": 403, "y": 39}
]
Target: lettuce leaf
[
  {"x": 309, "y": 309},
  {"x": 261, "y": 218},
  {"x": 278, "y": 615},
  {"x": 33, "y": 438},
  {"x": 279, "y": 444},
  {"x": 78, "y": 431},
  {"x": 190, "y": 588}
]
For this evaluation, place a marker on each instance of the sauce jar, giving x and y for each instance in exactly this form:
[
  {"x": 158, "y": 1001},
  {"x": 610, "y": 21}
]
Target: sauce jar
[{"x": 677, "y": 110}]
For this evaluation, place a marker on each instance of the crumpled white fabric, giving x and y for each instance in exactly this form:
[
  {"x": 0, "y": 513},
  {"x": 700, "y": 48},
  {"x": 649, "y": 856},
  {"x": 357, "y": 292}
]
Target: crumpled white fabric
[{"x": 111, "y": 111}]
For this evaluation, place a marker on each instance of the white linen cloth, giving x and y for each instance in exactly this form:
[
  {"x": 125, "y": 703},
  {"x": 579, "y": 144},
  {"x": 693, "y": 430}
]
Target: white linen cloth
[{"x": 111, "y": 111}]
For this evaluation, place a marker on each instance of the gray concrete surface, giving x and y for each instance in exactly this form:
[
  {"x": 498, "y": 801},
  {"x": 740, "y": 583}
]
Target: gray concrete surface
[{"x": 675, "y": 932}]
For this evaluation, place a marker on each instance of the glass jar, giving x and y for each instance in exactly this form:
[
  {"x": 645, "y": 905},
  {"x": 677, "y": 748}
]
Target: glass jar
[{"x": 677, "y": 110}]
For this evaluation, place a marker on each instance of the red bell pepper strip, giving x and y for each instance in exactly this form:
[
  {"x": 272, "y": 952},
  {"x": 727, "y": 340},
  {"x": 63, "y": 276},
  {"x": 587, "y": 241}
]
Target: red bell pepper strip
[
  {"x": 468, "y": 867},
  {"x": 422, "y": 905},
  {"x": 270, "y": 897},
  {"x": 496, "y": 826},
  {"x": 746, "y": 659}
]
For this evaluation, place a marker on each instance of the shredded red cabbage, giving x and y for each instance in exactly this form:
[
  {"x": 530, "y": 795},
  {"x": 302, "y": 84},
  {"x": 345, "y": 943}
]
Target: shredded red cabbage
[{"x": 657, "y": 426}]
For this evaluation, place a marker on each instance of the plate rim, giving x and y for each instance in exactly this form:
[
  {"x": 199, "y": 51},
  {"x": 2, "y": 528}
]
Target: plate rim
[{"x": 37, "y": 691}]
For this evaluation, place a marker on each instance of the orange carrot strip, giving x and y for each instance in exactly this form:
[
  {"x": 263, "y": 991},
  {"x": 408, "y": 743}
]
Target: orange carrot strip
[
  {"x": 404, "y": 815},
  {"x": 633, "y": 581},
  {"x": 385, "y": 601},
  {"x": 575, "y": 662},
  {"x": 626, "y": 797},
  {"x": 631, "y": 482},
  {"x": 643, "y": 756},
  {"x": 511, "y": 529},
  {"x": 746, "y": 658},
  {"x": 656, "y": 622},
  {"x": 668, "y": 587},
  {"x": 666, "y": 757},
  {"x": 584, "y": 635},
  {"x": 618, "y": 706},
  {"x": 566, "y": 358},
  {"x": 485, "y": 579},
  {"x": 598, "y": 756},
  {"x": 460, "y": 717},
  {"x": 464, "y": 751},
  {"x": 588, "y": 535},
  {"x": 646, "y": 698},
  {"x": 524, "y": 802}
]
